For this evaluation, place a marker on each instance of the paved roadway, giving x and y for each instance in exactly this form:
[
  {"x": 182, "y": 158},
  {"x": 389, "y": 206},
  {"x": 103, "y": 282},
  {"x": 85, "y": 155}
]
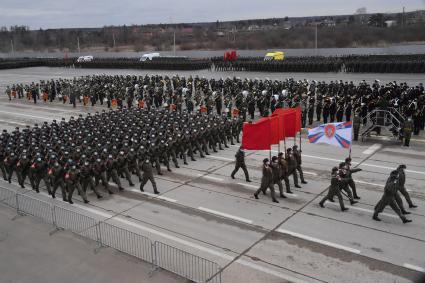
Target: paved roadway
[{"x": 202, "y": 210}]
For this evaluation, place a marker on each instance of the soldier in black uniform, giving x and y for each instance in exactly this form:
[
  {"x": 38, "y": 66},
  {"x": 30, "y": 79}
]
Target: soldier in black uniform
[
  {"x": 388, "y": 198},
  {"x": 56, "y": 175},
  {"x": 240, "y": 163},
  {"x": 292, "y": 166},
  {"x": 297, "y": 155},
  {"x": 349, "y": 172},
  {"x": 266, "y": 181},
  {"x": 334, "y": 189},
  {"x": 72, "y": 180},
  {"x": 402, "y": 182},
  {"x": 148, "y": 176}
]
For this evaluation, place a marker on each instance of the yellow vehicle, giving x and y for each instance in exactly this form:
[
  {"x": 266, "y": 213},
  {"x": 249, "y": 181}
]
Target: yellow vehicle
[{"x": 274, "y": 56}]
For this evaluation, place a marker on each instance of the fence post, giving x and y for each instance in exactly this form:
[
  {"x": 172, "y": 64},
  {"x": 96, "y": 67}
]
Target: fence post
[
  {"x": 154, "y": 259},
  {"x": 54, "y": 221},
  {"x": 99, "y": 238},
  {"x": 18, "y": 213}
]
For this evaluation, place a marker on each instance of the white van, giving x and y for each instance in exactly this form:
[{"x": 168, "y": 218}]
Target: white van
[
  {"x": 148, "y": 56},
  {"x": 87, "y": 58}
]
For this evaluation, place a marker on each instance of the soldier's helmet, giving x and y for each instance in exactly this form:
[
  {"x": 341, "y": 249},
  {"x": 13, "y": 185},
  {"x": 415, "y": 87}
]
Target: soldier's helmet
[{"x": 402, "y": 166}]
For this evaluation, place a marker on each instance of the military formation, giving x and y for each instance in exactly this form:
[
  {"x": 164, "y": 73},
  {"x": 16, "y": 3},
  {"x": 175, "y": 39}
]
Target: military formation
[
  {"x": 84, "y": 152},
  {"x": 167, "y": 120},
  {"x": 346, "y": 64},
  {"x": 336, "y": 101}
]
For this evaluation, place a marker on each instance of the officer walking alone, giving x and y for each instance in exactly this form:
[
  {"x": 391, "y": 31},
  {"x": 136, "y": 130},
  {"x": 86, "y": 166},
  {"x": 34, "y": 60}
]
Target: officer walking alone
[{"x": 240, "y": 163}]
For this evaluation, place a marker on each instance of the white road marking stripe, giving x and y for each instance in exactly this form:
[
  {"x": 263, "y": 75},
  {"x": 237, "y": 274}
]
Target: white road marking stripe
[
  {"x": 26, "y": 115},
  {"x": 312, "y": 239},
  {"x": 248, "y": 185},
  {"x": 256, "y": 187},
  {"x": 210, "y": 251},
  {"x": 414, "y": 267},
  {"x": 372, "y": 149},
  {"x": 364, "y": 209},
  {"x": 35, "y": 107},
  {"x": 154, "y": 195},
  {"x": 310, "y": 173},
  {"x": 241, "y": 219},
  {"x": 12, "y": 122},
  {"x": 270, "y": 271},
  {"x": 367, "y": 183},
  {"x": 219, "y": 158},
  {"x": 213, "y": 178}
]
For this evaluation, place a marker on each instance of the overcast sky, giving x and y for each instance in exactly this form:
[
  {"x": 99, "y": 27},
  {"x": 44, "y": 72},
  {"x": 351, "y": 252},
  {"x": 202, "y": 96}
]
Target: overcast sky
[{"x": 97, "y": 13}]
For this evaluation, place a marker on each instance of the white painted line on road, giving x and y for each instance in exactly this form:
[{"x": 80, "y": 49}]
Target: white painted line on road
[
  {"x": 364, "y": 209},
  {"x": 310, "y": 173},
  {"x": 213, "y": 178},
  {"x": 219, "y": 158},
  {"x": 154, "y": 195},
  {"x": 248, "y": 185},
  {"x": 255, "y": 266},
  {"x": 319, "y": 241},
  {"x": 26, "y": 115},
  {"x": 256, "y": 187},
  {"x": 225, "y": 215},
  {"x": 12, "y": 122},
  {"x": 414, "y": 267},
  {"x": 372, "y": 149},
  {"x": 35, "y": 107},
  {"x": 367, "y": 183},
  {"x": 174, "y": 239}
]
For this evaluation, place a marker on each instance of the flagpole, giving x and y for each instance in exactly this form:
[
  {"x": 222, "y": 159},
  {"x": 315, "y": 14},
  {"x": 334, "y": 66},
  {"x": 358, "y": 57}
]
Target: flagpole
[
  {"x": 300, "y": 139},
  {"x": 284, "y": 143}
]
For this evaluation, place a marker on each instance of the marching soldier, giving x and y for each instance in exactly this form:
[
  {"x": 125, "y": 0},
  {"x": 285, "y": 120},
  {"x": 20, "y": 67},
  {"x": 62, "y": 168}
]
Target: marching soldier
[
  {"x": 297, "y": 155},
  {"x": 292, "y": 166},
  {"x": 402, "y": 182},
  {"x": 240, "y": 163},
  {"x": 277, "y": 174},
  {"x": 266, "y": 181},
  {"x": 56, "y": 174},
  {"x": 148, "y": 176},
  {"x": 388, "y": 198},
  {"x": 334, "y": 189},
  {"x": 72, "y": 180},
  {"x": 350, "y": 171}
]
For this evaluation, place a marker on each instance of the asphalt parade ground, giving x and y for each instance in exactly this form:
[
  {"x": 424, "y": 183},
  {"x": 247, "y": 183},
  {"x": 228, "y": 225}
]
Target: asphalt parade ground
[{"x": 203, "y": 211}]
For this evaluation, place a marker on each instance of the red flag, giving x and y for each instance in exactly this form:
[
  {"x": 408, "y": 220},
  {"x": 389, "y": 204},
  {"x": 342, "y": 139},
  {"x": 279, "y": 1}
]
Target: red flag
[
  {"x": 290, "y": 118},
  {"x": 257, "y": 136},
  {"x": 280, "y": 128},
  {"x": 290, "y": 123}
]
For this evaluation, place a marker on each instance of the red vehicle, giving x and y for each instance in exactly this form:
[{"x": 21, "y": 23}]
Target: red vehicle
[{"x": 230, "y": 55}]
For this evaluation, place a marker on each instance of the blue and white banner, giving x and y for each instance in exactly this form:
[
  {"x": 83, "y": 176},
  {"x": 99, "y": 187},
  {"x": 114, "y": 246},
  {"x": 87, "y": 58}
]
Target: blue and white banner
[{"x": 338, "y": 134}]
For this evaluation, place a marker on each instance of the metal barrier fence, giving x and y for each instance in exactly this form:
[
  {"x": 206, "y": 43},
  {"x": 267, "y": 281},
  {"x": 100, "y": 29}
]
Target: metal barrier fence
[
  {"x": 126, "y": 241},
  {"x": 8, "y": 197},
  {"x": 187, "y": 265}
]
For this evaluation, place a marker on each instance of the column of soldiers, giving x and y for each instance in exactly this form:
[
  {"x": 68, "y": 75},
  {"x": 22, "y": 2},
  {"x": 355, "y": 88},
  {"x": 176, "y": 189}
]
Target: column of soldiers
[
  {"x": 323, "y": 102},
  {"x": 341, "y": 180},
  {"x": 84, "y": 152}
]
